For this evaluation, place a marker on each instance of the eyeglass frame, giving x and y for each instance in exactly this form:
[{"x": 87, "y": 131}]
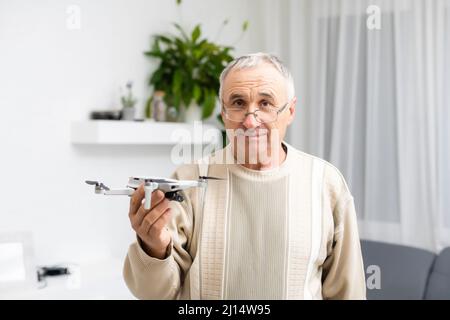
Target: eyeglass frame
[{"x": 278, "y": 111}]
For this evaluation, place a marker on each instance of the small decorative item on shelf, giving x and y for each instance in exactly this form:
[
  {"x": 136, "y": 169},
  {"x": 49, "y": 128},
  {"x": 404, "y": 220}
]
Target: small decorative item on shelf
[
  {"x": 172, "y": 114},
  {"x": 159, "y": 107},
  {"x": 128, "y": 103},
  {"x": 105, "y": 115}
]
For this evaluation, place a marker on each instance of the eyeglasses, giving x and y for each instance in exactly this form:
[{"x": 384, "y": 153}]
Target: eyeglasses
[{"x": 266, "y": 114}]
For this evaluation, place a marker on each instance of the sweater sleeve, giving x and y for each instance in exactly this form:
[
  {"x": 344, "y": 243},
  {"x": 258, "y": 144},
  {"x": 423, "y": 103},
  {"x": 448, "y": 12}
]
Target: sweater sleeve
[
  {"x": 343, "y": 271},
  {"x": 152, "y": 278}
]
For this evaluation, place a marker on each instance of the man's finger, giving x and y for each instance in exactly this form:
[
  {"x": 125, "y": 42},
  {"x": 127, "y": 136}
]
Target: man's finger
[
  {"x": 136, "y": 199},
  {"x": 157, "y": 198},
  {"x": 163, "y": 220},
  {"x": 154, "y": 214}
]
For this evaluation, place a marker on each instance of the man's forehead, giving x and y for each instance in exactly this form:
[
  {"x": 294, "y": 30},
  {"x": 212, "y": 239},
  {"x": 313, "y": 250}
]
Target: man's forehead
[
  {"x": 262, "y": 72},
  {"x": 264, "y": 80},
  {"x": 244, "y": 93}
]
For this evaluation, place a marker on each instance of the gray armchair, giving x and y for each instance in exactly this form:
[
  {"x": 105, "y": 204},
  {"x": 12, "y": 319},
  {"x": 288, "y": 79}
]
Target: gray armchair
[{"x": 407, "y": 272}]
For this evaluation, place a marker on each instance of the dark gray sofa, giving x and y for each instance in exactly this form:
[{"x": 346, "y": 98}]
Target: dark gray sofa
[{"x": 407, "y": 272}]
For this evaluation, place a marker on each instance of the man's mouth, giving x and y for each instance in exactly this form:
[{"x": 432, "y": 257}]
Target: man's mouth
[{"x": 252, "y": 133}]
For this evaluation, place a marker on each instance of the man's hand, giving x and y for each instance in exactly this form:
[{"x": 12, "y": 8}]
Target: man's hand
[{"x": 150, "y": 225}]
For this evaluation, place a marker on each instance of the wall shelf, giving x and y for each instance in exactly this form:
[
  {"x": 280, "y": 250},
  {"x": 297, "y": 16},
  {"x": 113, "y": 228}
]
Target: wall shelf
[{"x": 115, "y": 132}]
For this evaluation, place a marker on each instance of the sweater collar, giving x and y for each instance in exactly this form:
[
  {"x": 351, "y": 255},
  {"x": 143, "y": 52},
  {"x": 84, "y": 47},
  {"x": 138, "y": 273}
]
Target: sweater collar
[{"x": 228, "y": 150}]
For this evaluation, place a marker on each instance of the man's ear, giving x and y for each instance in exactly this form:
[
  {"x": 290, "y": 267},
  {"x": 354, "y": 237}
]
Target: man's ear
[
  {"x": 222, "y": 114},
  {"x": 292, "y": 110}
]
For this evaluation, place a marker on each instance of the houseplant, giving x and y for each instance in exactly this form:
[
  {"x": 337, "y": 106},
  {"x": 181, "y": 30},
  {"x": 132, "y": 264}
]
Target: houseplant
[{"x": 189, "y": 69}]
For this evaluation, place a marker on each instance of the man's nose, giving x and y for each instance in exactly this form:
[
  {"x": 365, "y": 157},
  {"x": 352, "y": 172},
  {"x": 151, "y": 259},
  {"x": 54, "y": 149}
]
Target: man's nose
[{"x": 250, "y": 121}]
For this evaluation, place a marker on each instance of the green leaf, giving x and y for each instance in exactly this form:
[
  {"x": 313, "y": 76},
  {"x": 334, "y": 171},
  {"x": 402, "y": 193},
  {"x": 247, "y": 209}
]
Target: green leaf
[
  {"x": 196, "y": 33},
  {"x": 208, "y": 104},
  {"x": 197, "y": 93},
  {"x": 182, "y": 32},
  {"x": 181, "y": 46},
  {"x": 155, "y": 50},
  {"x": 164, "y": 39},
  {"x": 177, "y": 79},
  {"x": 176, "y": 101},
  {"x": 155, "y": 54},
  {"x": 178, "y": 2},
  {"x": 156, "y": 77},
  {"x": 187, "y": 98}
]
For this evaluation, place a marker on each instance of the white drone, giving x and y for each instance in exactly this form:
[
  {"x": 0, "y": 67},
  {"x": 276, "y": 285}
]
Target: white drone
[{"x": 170, "y": 187}]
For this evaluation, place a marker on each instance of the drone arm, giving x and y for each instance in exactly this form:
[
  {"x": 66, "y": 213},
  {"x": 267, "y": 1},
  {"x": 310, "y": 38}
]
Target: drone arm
[
  {"x": 189, "y": 184},
  {"x": 127, "y": 192}
]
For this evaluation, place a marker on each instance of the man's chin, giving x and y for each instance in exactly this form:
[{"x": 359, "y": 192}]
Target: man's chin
[
  {"x": 256, "y": 142},
  {"x": 256, "y": 139},
  {"x": 252, "y": 148}
]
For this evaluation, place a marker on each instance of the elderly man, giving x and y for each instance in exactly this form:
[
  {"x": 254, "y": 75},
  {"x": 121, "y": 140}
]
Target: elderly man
[{"x": 281, "y": 224}]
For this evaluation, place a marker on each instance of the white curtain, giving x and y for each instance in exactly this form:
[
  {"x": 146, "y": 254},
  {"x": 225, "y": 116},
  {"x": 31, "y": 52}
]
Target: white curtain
[{"x": 375, "y": 103}]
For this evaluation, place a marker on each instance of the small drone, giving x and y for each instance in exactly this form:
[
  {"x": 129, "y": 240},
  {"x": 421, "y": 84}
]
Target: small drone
[{"x": 170, "y": 187}]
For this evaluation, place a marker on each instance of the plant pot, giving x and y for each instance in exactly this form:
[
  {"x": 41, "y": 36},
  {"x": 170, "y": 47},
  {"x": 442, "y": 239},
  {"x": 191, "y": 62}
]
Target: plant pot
[
  {"x": 128, "y": 113},
  {"x": 192, "y": 113}
]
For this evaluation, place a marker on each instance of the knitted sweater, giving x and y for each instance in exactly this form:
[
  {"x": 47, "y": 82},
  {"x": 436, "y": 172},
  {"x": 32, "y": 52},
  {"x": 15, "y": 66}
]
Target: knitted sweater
[{"x": 284, "y": 233}]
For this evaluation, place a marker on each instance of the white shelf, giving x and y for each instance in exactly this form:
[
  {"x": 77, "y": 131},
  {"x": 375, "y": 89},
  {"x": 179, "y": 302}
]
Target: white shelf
[{"x": 111, "y": 132}]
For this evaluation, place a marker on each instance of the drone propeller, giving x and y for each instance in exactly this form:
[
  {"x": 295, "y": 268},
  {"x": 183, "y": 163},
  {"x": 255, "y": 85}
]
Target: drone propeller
[
  {"x": 208, "y": 178},
  {"x": 97, "y": 184}
]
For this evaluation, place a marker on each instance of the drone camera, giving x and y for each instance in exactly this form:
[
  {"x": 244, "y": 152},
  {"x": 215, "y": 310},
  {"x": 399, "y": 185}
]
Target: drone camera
[{"x": 175, "y": 196}]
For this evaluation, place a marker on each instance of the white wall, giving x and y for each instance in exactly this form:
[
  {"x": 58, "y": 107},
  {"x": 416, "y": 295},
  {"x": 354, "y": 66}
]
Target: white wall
[{"x": 50, "y": 76}]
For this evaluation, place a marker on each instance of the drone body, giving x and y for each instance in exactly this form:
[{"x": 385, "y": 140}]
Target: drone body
[{"x": 170, "y": 187}]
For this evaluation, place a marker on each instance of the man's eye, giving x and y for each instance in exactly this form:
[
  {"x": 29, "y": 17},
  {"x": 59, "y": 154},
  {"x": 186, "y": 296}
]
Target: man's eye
[
  {"x": 265, "y": 104},
  {"x": 238, "y": 103}
]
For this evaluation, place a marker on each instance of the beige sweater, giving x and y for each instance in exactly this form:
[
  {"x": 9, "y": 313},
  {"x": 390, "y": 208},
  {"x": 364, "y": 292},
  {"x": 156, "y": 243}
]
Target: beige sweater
[{"x": 285, "y": 233}]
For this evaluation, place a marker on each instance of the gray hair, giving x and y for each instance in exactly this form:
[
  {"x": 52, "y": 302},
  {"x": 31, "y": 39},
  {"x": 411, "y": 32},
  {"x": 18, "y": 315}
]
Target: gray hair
[{"x": 254, "y": 59}]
